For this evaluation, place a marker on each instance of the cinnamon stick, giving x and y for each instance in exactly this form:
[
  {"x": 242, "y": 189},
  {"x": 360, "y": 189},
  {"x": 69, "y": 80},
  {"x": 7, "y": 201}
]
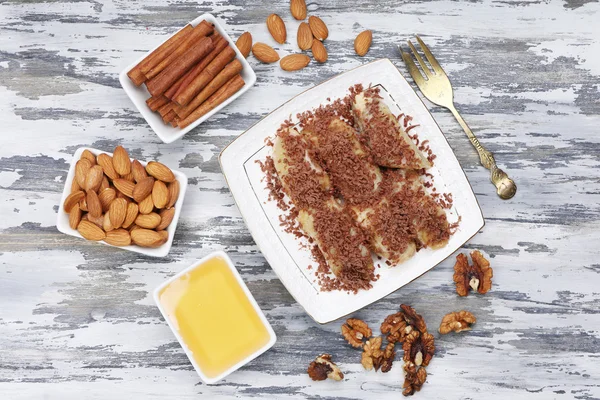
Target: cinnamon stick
[
  {"x": 160, "y": 83},
  {"x": 169, "y": 116},
  {"x": 201, "y": 30},
  {"x": 211, "y": 70},
  {"x": 230, "y": 70},
  {"x": 154, "y": 103},
  {"x": 225, "y": 92},
  {"x": 164, "y": 110},
  {"x": 220, "y": 44},
  {"x": 136, "y": 74},
  {"x": 174, "y": 122},
  {"x": 173, "y": 89}
]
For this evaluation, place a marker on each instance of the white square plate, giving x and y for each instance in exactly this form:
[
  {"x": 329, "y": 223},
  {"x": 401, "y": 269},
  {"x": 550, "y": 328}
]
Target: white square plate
[
  {"x": 62, "y": 222},
  {"x": 139, "y": 94},
  {"x": 282, "y": 250}
]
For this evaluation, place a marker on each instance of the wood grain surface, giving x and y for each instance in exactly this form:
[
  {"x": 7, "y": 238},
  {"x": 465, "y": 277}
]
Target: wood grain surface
[{"x": 77, "y": 320}]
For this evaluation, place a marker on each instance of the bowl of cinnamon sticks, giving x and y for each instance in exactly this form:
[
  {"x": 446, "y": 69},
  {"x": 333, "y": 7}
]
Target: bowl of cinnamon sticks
[{"x": 188, "y": 78}]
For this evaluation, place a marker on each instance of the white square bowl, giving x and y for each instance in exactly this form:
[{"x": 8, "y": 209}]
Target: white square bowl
[
  {"x": 261, "y": 315},
  {"x": 291, "y": 263},
  {"x": 139, "y": 94},
  {"x": 62, "y": 222}
]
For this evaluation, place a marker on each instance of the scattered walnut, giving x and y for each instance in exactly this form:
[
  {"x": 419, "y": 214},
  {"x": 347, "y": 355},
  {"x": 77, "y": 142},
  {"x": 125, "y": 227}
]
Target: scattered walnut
[
  {"x": 418, "y": 348},
  {"x": 355, "y": 330},
  {"x": 323, "y": 368},
  {"x": 387, "y": 358},
  {"x": 414, "y": 378},
  {"x": 398, "y": 325},
  {"x": 477, "y": 276},
  {"x": 371, "y": 353},
  {"x": 457, "y": 322}
]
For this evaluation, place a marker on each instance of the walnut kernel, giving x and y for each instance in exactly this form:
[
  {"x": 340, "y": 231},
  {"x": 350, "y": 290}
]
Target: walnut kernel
[
  {"x": 400, "y": 324},
  {"x": 457, "y": 322},
  {"x": 323, "y": 368},
  {"x": 355, "y": 330},
  {"x": 477, "y": 277},
  {"x": 371, "y": 353},
  {"x": 419, "y": 348},
  {"x": 414, "y": 378}
]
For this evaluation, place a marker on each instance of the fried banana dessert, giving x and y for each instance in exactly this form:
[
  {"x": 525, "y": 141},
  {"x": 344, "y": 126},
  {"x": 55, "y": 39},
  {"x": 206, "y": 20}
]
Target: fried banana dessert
[
  {"x": 341, "y": 242},
  {"x": 386, "y": 137}
]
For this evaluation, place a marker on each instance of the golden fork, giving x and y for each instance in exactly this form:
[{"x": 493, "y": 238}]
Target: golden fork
[{"x": 436, "y": 86}]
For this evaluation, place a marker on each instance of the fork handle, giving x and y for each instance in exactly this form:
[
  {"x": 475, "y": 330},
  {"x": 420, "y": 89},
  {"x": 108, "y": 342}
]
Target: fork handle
[{"x": 505, "y": 187}]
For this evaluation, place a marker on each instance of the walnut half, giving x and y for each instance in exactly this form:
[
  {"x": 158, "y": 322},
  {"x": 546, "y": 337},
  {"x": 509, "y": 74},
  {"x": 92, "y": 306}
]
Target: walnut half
[
  {"x": 398, "y": 325},
  {"x": 323, "y": 368},
  {"x": 355, "y": 330},
  {"x": 414, "y": 378},
  {"x": 457, "y": 322},
  {"x": 419, "y": 348},
  {"x": 371, "y": 353},
  {"x": 477, "y": 277}
]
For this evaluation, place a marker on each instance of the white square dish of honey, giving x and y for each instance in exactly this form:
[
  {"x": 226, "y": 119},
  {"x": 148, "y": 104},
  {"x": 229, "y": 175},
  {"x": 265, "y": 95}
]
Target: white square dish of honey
[{"x": 201, "y": 304}]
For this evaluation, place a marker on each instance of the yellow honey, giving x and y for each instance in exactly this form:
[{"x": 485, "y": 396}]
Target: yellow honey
[{"x": 213, "y": 315}]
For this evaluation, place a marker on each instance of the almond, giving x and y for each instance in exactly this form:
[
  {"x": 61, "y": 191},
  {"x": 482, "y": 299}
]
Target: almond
[
  {"x": 106, "y": 197},
  {"x": 98, "y": 221},
  {"x": 93, "y": 180},
  {"x": 264, "y": 53},
  {"x": 74, "y": 216},
  {"x": 131, "y": 215},
  {"x": 117, "y": 210},
  {"x": 143, "y": 188},
  {"x": 164, "y": 235},
  {"x": 160, "y": 171},
  {"x": 139, "y": 172},
  {"x": 173, "y": 193},
  {"x": 294, "y": 62},
  {"x": 148, "y": 221},
  {"x": 319, "y": 51},
  {"x": 104, "y": 184},
  {"x": 73, "y": 199},
  {"x": 128, "y": 177},
  {"x": 118, "y": 237},
  {"x": 74, "y": 185},
  {"x": 124, "y": 187},
  {"x": 298, "y": 9},
  {"x": 166, "y": 217},
  {"x": 318, "y": 28},
  {"x": 362, "y": 43},
  {"x": 82, "y": 168},
  {"x": 147, "y": 205},
  {"x": 276, "y": 27},
  {"x": 147, "y": 238},
  {"x": 83, "y": 204},
  {"x": 90, "y": 231},
  {"x": 93, "y": 203},
  {"x": 305, "y": 36},
  {"x": 160, "y": 194},
  {"x": 89, "y": 156},
  {"x": 121, "y": 161},
  {"x": 106, "y": 223},
  {"x": 105, "y": 161},
  {"x": 244, "y": 44}
]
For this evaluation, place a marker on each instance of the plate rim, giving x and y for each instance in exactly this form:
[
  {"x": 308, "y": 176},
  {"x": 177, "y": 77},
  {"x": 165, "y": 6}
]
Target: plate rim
[{"x": 381, "y": 60}]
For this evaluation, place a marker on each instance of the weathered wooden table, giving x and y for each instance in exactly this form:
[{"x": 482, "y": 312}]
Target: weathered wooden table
[{"x": 77, "y": 319}]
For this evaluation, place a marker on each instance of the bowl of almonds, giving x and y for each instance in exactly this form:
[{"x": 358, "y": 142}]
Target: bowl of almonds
[{"x": 122, "y": 202}]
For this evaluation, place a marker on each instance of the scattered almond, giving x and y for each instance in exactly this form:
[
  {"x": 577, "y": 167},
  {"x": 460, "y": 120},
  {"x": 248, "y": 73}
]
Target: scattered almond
[
  {"x": 93, "y": 204},
  {"x": 244, "y": 44},
  {"x": 294, "y": 62},
  {"x": 305, "y": 36},
  {"x": 319, "y": 51},
  {"x": 118, "y": 237},
  {"x": 166, "y": 216},
  {"x": 362, "y": 43},
  {"x": 105, "y": 161},
  {"x": 160, "y": 171},
  {"x": 125, "y": 187},
  {"x": 106, "y": 197},
  {"x": 143, "y": 188},
  {"x": 298, "y": 9},
  {"x": 147, "y": 205},
  {"x": 121, "y": 161},
  {"x": 148, "y": 221},
  {"x": 75, "y": 216},
  {"x": 90, "y": 231},
  {"x": 264, "y": 53},
  {"x": 173, "y": 194},
  {"x": 276, "y": 27},
  {"x": 117, "y": 210},
  {"x": 318, "y": 28},
  {"x": 89, "y": 156},
  {"x": 130, "y": 215},
  {"x": 147, "y": 238},
  {"x": 160, "y": 194},
  {"x": 139, "y": 172},
  {"x": 82, "y": 168},
  {"x": 73, "y": 199}
]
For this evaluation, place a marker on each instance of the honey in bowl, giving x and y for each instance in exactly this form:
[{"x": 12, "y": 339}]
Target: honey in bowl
[{"x": 214, "y": 317}]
